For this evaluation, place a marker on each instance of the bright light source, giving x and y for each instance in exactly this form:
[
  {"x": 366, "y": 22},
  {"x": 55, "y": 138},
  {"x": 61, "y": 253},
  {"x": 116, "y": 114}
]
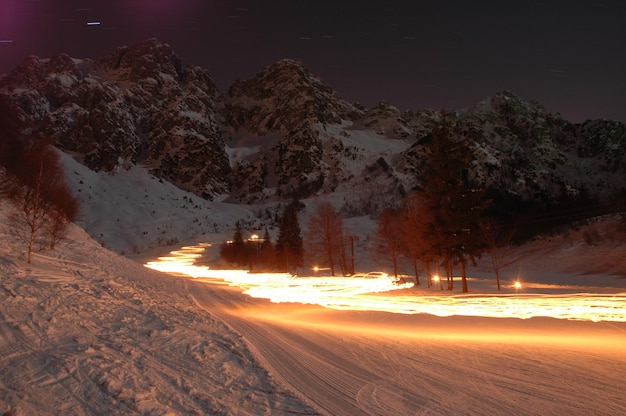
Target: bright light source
[
  {"x": 436, "y": 278},
  {"x": 254, "y": 237},
  {"x": 372, "y": 292},
  {"x": 316, "y": 268}
]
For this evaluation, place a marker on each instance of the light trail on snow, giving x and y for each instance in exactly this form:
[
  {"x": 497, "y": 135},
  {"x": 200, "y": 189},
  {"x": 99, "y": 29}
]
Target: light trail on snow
[{"x": 380, "y": 292}]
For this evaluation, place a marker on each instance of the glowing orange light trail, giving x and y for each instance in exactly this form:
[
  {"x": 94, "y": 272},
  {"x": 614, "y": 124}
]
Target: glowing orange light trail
[{"x": 375, "y": 294}]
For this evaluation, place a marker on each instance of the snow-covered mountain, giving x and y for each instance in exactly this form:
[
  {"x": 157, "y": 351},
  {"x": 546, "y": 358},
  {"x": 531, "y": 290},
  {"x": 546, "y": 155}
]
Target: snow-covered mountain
[
  {"x": 283, "y": 134},
  {"x": 136, "y": 106}
]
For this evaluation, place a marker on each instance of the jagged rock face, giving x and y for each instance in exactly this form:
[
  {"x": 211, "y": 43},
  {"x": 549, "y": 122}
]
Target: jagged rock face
[
  {"x": 287, "y": 134},
  {"x": 292, "y": 168},
  {"x": 137, "y": 105},
  {"x": 521, "y": 149},
  {"x": 385, "y": 119},
  {"x": 143, "y": 62},
  {"x": 283, "y": 97},
  {"x": 285, "y": 101}
]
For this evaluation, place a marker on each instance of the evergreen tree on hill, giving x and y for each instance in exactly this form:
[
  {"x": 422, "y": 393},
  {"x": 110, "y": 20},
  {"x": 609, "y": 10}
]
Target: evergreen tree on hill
[
  {"x": 453, "y": 204},
  {"x": 289, "y": 245}
]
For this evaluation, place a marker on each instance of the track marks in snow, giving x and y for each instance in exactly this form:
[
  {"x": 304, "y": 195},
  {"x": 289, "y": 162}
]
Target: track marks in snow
[
  {"x": 378, "y": 364},
  {"x": 84, "y": 331}
]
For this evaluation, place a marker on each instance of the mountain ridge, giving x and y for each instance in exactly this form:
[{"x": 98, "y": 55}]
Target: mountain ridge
[{"x": 285, "y": 134}]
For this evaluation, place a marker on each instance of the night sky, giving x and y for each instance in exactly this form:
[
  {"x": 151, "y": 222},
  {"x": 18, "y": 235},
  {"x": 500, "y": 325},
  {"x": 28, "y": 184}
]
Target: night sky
[{"x": 568, "y": 55}]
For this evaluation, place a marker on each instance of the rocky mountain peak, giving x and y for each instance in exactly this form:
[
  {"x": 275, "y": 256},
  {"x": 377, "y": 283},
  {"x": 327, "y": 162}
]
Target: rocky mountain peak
[
  {"x": 386, "y": 119},
  {"x": 37, "y": 72},
  {"x": 504, "y": 104},
  {"x": 282, "y": 97},
  {"x": 285, "y": 133},
  {"x": 147, "y": 59},
  {"x": 135, "y": 106}
]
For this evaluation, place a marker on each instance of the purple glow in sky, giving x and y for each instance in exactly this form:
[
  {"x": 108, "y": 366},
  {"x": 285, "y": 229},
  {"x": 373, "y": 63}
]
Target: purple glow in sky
[{"x": 567, "y": 55}]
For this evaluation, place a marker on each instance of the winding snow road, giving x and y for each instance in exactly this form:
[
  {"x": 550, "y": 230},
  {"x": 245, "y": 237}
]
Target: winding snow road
[{"x": 376, "y": 363}]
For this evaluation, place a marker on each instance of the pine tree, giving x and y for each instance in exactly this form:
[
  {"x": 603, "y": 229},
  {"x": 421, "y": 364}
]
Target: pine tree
[
  {"x": 267, "y": 253},
  {"x": 454, "y": 206},
  {"x": 289, "y": 244}
]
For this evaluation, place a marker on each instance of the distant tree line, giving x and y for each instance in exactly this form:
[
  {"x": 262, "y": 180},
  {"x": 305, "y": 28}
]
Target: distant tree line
[
  {"x": 441, "y": 223},
  {"x": 261, "y": 254},
  {"x": 326, "y": 243},
  {"x": 444, "y": 224},
  {"x": 33, "y": 181},
  {"x": 450, "y": 222}
]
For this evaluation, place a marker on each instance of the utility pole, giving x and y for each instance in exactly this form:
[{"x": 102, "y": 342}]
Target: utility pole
[{"x": 352, "y": 238}]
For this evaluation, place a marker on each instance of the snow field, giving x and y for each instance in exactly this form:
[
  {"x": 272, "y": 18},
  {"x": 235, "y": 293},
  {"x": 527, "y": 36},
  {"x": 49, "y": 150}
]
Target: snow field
[{"x": 84, "y": 331}]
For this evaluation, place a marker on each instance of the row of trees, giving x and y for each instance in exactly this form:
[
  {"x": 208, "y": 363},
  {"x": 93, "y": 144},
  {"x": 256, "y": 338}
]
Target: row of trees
[
  {"x": 261, "y": 254},
  {"x": 443, "y": 222},
  {"x": 446, "y": 223},
  {"x": 32, "y": 179},
  {"x": 441, "y": 225},
  {"x": 326, "y": 243}
]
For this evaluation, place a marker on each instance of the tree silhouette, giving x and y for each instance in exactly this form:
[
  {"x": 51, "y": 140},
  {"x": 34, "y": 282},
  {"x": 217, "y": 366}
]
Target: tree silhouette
[
  {"x": 387, "y": 237},
  {"x": 267, "y": 252},
  {"x": 43, "y": 204},
  {"x": 453, "y": 204},
  {"x": 497, "y": 237},
  {"x": 325, "y": 237},
  {"x": 289, "y": 245}
]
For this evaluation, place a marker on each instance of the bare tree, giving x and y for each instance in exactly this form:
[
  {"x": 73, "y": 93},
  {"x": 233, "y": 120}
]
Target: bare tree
[
  {"x": 416, "y": 246},
  {"x": 325, "y": 237},
  {"x": 43, "y": 204},
  {"x": 496, "y": 238},
  {"x": 27, "y": 217},
  {"x": 387, "y": 240}
]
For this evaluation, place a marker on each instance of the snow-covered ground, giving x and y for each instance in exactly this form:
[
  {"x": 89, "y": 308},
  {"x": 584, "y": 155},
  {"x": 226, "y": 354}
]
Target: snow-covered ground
[{"x": 84, "y": 330}]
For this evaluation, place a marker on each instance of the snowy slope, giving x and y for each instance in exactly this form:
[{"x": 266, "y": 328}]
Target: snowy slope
[
  {"x": 84, "y": 331},
  {"x": 132, "y": 211}
]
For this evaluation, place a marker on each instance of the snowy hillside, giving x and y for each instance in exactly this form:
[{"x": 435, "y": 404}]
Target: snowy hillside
[
  {"x": 84, "y": 331},
  {"x": 132, "y": 211}
]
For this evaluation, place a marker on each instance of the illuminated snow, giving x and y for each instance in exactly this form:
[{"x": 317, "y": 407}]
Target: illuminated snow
[{"x": 384, "y": 294}]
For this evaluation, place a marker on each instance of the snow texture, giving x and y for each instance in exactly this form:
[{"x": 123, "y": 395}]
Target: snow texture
[{"x": 85, "y": 331}]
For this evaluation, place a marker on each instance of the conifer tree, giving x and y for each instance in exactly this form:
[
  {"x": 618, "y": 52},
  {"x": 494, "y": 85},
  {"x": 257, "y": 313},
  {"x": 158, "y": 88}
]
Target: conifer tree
[
  {"x": 267, "y": 253},
  {"x": 454, "y": 206},
  {"x": 289, "y": 244}
]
